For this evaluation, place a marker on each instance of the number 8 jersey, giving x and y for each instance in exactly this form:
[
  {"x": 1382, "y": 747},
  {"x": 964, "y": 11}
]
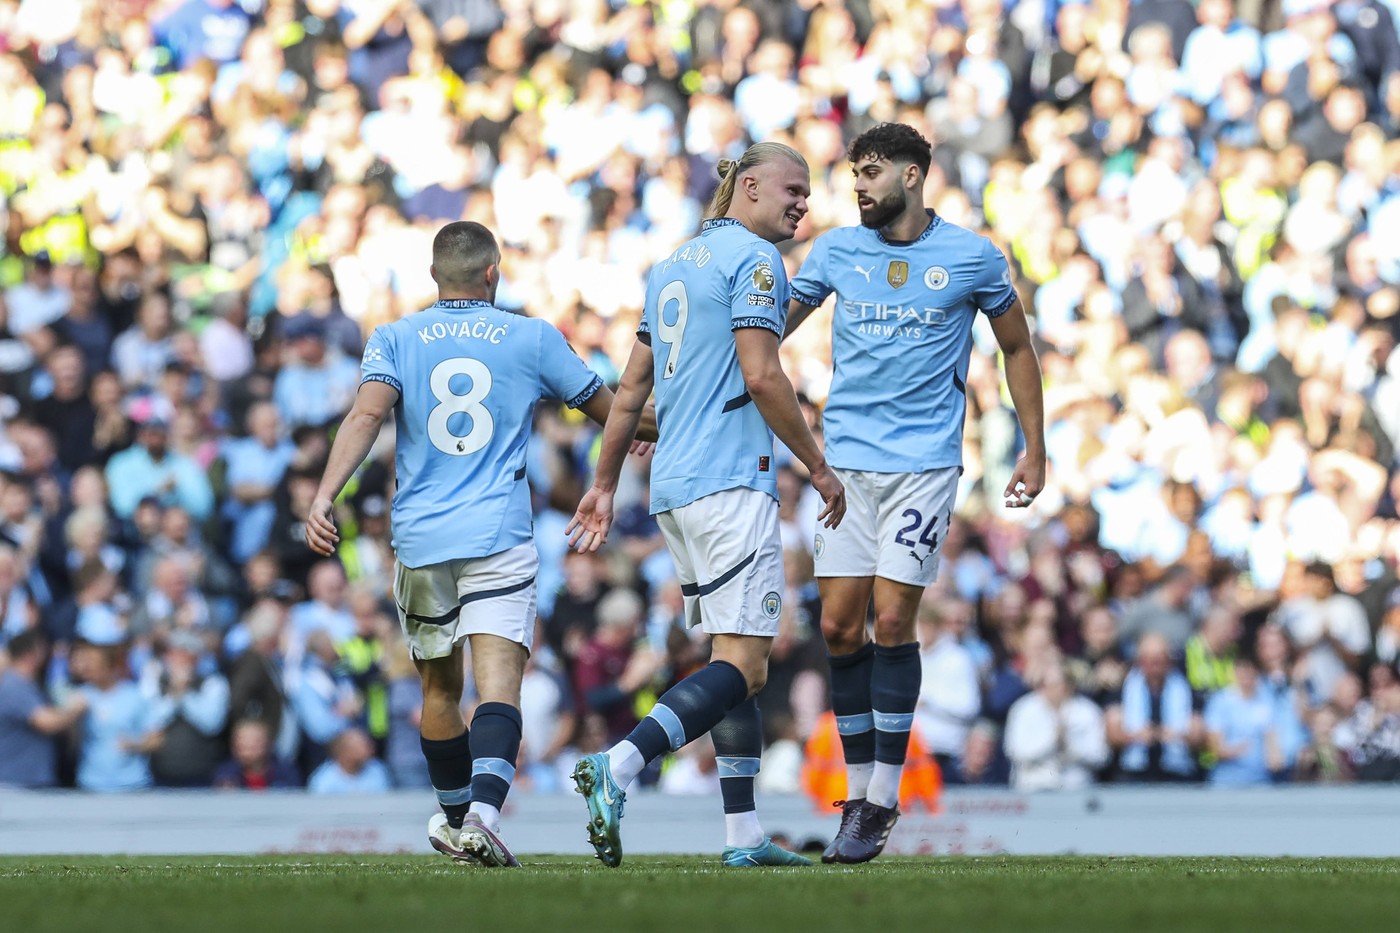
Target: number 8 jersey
[
  {"x": 712, "y": 435},
  {"x": 468, "y": 377}
]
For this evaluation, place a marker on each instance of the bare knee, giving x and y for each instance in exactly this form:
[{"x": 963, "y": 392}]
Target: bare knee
[
  {"x": 747, "y": 654},
  {"x": 843, "y": 635},
  {"x": 442, "y": 679},
  {"x": 893, "y": 628}
]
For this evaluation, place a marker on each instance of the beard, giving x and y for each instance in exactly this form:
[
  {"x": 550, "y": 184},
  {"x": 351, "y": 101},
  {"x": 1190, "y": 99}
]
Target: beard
[{"x": 882, "y": 212}]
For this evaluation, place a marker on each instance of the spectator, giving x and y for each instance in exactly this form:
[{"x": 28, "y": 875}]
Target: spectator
[
  {"x": 317, "y": 384},
  {"x": 1162, "y": 612},
  {"x": 1253, "y": 738},
  {"x": 951, "y": 695},
  {"x": 323, "y": 699},
  {"x": 190, "y": 709},
  {"x": 151, "y": 469},
  {"x": 402, "y": 750},
  {"x": 28, "y": 722},
  {"x": 1328, "y": 628},
  {"x": 1054, "y": 738},
  {"x": 1210, "y": 653},
  {"x": 253, "y": 766},
  {"x": 1155, "y": 725},
  {"x": 351, "y": 767},
  {"x": 257, "y": 688},
  {"x": 548, "y": 719},
  {"x": 39, "y": 300},
  {"x": 121, "y": 727},
  {"x": 612, "y": 666},
  {"x": 254, "y": 466},
  {"x": 1099, "y": 670}
]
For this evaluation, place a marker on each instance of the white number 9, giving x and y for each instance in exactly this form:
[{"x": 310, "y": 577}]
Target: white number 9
[
  {"x": 451, "y": 403},
  {"x": 672, "y": 334}
]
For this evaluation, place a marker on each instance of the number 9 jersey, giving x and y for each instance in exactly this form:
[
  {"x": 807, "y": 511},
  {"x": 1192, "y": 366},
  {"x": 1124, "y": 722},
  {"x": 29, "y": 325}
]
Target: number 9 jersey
[
  {"x": 713, "y": 437},
  {"x": 468, "y": 377}
]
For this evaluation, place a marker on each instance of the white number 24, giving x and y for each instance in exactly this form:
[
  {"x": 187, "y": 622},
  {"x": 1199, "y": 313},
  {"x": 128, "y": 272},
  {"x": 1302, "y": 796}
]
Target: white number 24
[
  {"x": 672, "y": 333},
  {"x": 466, "y": 403}
]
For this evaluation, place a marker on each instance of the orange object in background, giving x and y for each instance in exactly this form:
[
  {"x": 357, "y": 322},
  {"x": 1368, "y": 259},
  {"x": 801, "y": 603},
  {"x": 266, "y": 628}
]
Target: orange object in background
[{"x": 824, "y": 770}]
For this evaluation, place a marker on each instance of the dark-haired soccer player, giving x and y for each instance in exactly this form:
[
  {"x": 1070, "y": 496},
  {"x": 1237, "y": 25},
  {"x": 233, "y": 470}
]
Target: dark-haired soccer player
[
  {"x": 462, "y": 379},
  {"x": 708, "y": 346},
  {"x": 908, "y": 286}
]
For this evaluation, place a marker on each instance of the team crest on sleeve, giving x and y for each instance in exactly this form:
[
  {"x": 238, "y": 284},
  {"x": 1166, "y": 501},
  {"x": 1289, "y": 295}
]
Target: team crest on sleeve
[
  {"x": 772, "y": 604},
  {"x": 936, "y": 278},
  {"x": 763, "y": 279},
  {"x": 898, "y": 273},
  {"x": 374, "y": 355}
]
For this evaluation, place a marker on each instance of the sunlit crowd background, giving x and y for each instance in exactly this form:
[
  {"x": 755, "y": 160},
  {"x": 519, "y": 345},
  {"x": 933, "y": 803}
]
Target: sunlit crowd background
[{"x": 209, "y": 204}]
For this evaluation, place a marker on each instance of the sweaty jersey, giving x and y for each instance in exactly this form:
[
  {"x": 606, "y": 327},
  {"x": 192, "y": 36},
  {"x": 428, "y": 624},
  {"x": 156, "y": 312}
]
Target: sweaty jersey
[
  {"x": 901, "y": 339},
  {"x": 712, "y": 435},
  {"x": 468, "y": 377}
]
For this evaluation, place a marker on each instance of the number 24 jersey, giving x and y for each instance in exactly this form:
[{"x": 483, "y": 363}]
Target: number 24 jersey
[
  {"x": 901, "y": 340},
  {"x": 468, "y": 376}
]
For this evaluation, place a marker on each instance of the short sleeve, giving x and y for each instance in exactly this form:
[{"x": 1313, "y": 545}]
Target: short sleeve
[
  {"x": 379, "y": 363},
  {"x": 992, "y": 290},
  {"x": 812, "y": 284},
  {"x": 563, "y": 375},
  {"x": 758, "y": 291}
]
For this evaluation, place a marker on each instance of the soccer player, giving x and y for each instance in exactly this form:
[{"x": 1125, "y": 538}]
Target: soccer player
[
  {"x": 908, "y": 286},
  {"x": 462, "y": 379},
  {"x": 708, "y": 345}
]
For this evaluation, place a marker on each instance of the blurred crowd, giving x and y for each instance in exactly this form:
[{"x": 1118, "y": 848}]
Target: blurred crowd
[{"x": 208, "y": 204}]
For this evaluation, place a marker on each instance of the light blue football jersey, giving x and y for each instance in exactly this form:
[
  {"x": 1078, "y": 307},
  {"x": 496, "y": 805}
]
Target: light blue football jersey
[
  {"x": 901, "y": 339},
  {"x": 468, "y": 377},
  {"x": 712, "y": 435}
]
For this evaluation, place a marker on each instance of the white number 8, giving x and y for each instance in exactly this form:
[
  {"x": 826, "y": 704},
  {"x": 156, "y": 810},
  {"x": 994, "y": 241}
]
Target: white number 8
[
  {"x": 451, "y": 403},
  {"x": 672, "y": 334}
]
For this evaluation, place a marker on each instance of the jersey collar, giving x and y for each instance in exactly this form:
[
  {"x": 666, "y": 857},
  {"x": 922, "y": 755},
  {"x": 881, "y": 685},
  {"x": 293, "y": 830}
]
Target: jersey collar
[
  {"x": 718, "y": 222},
  {"x": 934, "y": 221},
  {"x": 461, "y": 304}
]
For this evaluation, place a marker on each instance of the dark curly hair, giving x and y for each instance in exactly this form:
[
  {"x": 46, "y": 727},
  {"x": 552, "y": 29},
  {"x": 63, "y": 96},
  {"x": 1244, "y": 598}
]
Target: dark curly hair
[{"x": 895, "y": 142}]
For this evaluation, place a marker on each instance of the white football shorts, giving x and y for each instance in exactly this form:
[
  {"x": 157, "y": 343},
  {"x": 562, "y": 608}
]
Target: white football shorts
[
  {"x": 894, "y": 526},
  {"x": 441, "y": 604},
  {"x": 729, "y": 560}
]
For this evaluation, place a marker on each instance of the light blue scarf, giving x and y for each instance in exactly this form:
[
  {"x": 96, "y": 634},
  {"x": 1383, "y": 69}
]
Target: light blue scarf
[{"x": 1176, "y": 716}]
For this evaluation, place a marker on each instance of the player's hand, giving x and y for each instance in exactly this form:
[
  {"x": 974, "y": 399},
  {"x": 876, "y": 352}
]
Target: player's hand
[
  {"x": 321, "y": 535},
  {"x": 833, "y": 496},
  {"x": 641, "y": 448},
  {"x": 1027, "y": 480},
  {"x": 588, "y": 529}
]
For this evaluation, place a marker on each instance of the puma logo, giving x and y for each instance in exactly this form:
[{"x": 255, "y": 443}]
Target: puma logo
[
  {"x": 918, "y": 558},
  {"x": 864, "y": 272}
]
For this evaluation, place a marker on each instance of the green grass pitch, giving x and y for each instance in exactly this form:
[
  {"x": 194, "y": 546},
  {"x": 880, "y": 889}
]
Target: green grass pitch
[{"x": 407, "y": 894}]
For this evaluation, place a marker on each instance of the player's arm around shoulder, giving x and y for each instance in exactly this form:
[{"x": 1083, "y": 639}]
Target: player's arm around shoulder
[{"x": 809, "y": 288}]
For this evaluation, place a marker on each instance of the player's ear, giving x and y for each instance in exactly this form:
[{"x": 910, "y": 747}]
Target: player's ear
[
  {"x": 750, "y": 183},
  {"x": 912, "y": 177},
  {"x": 432, "y": 270}
]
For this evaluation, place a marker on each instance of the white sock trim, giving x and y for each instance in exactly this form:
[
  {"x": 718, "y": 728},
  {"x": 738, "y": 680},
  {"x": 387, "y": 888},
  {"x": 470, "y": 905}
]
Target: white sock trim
[
  {"x": 858, "y": 779},
  {"x": 742, "y": 830},
  {"x": 489, "y": 815},
  {"x": 884, "y": 785},
  {"x": 625, "y": 761}
]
